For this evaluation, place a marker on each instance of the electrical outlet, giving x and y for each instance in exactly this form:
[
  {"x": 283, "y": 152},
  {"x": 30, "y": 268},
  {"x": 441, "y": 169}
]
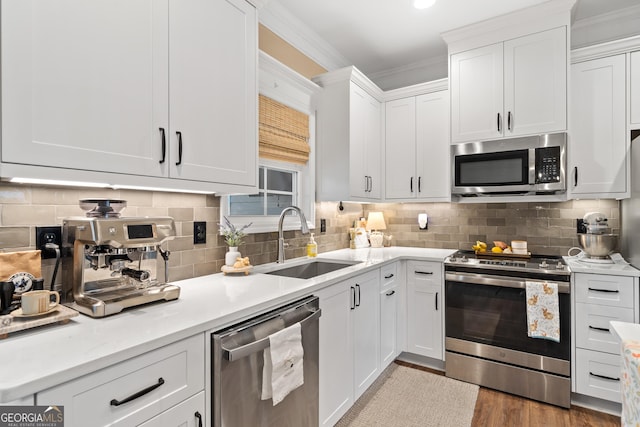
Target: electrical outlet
[
  {"x": 46, "y": 235},
  {"x": 323, "y": 225},
  {"x": 199, "y": 232}
]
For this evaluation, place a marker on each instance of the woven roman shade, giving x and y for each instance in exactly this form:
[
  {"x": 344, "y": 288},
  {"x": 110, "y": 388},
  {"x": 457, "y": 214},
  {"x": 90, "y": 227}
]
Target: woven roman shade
[{"x": 284, "y": 132}]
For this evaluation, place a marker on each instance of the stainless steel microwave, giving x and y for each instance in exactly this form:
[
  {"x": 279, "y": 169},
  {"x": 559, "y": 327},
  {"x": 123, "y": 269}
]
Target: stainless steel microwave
[{"x": 529, "y": 165}]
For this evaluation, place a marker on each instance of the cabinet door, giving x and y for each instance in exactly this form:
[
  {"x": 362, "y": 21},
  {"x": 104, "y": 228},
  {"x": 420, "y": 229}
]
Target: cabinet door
[
  {"x": 388, "y": 325},
  {"x": 535, "y": 83},
  {"x": 335, "y": 353},
  {"x": 424, "y": 307},
  {"x": 598, "y": 128},
  {"x": 366, "y": 334},
  {"x": 635, "y": 89},
  {"x": 476, "y": 94},
  {"x": 400, "y": 149},
  {"x": 432, "y": 146},
  {"x": 213, "y": 91},
  {"x": 364, "y": 144},
  {"x": 84, "y": 84},
  {"x": 190, "y": 413}
]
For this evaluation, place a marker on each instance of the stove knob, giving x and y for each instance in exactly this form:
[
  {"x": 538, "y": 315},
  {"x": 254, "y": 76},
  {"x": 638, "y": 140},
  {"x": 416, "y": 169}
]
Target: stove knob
[
  {"x": 544, "y": 264},
  {"x": 560, "y": 266},
  {"x": 464, "y": 259},
  {"x": 453, "y": 258}
]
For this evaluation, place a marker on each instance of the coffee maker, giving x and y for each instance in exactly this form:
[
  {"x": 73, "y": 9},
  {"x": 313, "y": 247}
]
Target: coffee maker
[{"x": 111, "y": 263}]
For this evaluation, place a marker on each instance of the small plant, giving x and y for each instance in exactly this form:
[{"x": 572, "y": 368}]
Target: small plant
[{"x": 233, "y": 236}]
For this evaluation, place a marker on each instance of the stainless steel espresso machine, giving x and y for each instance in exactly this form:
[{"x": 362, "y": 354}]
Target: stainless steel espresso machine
[{"x": 110, "y": 263}]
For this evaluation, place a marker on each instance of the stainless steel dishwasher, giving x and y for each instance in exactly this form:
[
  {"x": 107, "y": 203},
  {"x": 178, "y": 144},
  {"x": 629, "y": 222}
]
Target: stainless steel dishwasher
[{"x": 237, "y": 370}]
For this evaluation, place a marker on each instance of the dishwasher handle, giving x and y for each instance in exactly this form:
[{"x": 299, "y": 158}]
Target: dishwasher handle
[{"x": 256, "y": 346}]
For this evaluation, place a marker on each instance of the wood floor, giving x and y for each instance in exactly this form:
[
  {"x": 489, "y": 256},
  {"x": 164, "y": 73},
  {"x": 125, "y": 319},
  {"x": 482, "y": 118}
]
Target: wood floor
[{"x": 497, "y": 409}]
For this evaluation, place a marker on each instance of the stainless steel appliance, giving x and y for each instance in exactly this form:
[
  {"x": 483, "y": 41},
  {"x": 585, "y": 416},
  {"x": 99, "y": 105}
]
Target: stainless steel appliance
[
  {"x": 110, "y": 263},
  {"x": 486, "y": 329},
  {"x": 237, "y": 363},
  {"x": 529, "y": 165},
  {"x": 595, "y": 238},
  {"x": 630, "y": 208}
]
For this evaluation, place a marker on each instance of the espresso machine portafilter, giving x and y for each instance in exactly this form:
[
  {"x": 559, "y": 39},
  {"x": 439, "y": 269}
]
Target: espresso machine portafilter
[{"x": 112, "y": 263}]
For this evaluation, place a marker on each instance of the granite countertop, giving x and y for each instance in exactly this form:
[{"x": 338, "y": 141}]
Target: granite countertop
[{"x": 40, "y": 358}]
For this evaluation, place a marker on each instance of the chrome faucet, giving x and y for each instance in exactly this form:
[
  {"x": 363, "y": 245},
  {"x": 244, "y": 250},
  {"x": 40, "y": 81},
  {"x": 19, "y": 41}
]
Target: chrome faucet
[{"x": 303, "y": 227}]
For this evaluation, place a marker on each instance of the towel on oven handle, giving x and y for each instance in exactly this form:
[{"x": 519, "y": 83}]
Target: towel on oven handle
[{"x": 543, "y": 313}]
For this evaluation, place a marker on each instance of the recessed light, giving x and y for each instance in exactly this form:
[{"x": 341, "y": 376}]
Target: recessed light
[{"x": 423, "y": 4}]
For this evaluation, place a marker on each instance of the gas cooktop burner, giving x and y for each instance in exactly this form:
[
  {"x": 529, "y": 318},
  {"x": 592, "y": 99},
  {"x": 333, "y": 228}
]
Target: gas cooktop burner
[{"x": 537, "y": 264}]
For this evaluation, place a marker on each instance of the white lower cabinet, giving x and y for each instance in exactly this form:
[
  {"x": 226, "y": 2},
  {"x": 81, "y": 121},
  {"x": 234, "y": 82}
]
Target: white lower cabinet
[
  {"x": 389, "y": 287},
  {"x": 190, "y": 413},
  {"x": 425, "y": 309},
  {"x": 349, "y": 343},
  {"x": 600, "y": 299},
  {"x": 150, "y": 387}
]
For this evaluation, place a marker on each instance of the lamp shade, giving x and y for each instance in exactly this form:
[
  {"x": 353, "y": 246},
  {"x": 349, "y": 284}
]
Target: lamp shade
[{"x": 375, "y": 221}]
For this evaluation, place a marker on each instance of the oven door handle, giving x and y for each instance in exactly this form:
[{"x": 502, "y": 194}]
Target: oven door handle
[{"x": 501, "y": 281}]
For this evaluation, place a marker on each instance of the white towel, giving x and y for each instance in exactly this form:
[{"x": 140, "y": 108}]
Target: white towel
[
  {"x": 543, "y": 314},
  {"x": 283, "y": 370}
]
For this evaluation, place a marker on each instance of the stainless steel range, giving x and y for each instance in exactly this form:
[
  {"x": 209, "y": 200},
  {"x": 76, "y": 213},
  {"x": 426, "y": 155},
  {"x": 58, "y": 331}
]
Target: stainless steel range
[{"x": 486, "y": 326}]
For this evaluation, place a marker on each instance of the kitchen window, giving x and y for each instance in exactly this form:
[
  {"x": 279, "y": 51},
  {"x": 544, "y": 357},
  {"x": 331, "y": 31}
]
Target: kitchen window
[{"x": 277, "y": 190}]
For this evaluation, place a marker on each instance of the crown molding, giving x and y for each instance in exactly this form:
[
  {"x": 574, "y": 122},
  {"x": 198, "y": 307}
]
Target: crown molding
[
  {"x": 350, "y": 74},
  {"x": 283, "y": 23},
  {"x": 418, "y": 89},
  {"x": 550, "y": 14},
  {"x": 607, "y": 18},
  {"x": 425, "y": 63},
  {"x": 602, "y": 50}
]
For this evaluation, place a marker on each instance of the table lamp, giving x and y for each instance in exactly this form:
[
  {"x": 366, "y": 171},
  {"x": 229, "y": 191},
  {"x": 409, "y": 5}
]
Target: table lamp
[{"x": 375, "y": 222}]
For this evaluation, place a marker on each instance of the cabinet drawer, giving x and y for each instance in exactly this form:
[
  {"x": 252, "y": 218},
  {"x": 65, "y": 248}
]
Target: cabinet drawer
[
  {"x": 89, "y": 400},
  {"x": 388, "y": 275},
  {"x": 592, "y": 326},
  {"x": 424, "y": 273},
  {"x": 614, "y": 291},
  {"x": 598, "y": 374},
  {"x": 185, "y": 414}
]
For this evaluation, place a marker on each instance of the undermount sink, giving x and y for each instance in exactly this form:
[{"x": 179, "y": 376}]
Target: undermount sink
[{"x": 312, "y": 269}]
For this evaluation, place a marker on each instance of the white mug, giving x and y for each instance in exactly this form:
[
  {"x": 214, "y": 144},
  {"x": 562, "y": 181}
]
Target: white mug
[{"x": 35, "y": 302}]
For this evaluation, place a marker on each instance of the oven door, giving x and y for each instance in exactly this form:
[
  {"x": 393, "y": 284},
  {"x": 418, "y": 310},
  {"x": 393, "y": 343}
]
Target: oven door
[{"x": 492, "y": 310}]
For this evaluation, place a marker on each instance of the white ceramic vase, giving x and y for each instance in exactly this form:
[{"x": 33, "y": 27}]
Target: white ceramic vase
[{"x": 231, "y": 256}]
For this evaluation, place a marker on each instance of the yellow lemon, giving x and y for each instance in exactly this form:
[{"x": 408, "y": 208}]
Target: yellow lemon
[{"x": 496, "y": 249}]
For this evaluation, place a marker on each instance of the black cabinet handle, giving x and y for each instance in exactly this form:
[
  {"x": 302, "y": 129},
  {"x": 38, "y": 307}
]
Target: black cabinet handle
[
  {"x": 575, "y": 176},
  {"x": 509, "y": 120},
  {"x": 179, "y": 148},
  {"x": 612, "y": 291},
  {"x": 436, "y": 301},
  {"x": 595, "y": 328},
  {"x": 389, "y": 276},
  {"x": 358, "y": 288},
  {"x": 604, "y": 377},
  {"x": 116, "y": 402},
  {"x": 198, "y": 415},
  {"x": 390, "y": 293},
  {"x": 411, "y": 184},
  {"x": 427, "y": 273},
  {"x": 419, "y": 184},
  {"x": 499, "y": 126},
  {"x": 164, "y": 146},
  {"x": 353, "y": 298}
]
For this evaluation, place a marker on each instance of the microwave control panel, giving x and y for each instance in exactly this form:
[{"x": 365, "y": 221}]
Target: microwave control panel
[{"x": 548, "y": 165}]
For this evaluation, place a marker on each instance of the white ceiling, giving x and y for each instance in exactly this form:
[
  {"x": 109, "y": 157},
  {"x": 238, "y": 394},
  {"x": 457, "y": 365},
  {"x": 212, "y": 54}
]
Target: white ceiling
[{"x": 383, "y": 37}]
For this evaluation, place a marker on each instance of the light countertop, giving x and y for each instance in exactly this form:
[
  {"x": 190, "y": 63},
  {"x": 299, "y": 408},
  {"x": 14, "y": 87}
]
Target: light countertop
[
  {"x": 40, "y": 358},
  {"x": 626, "y": 331},
  {"x": 620, "y": 268}
]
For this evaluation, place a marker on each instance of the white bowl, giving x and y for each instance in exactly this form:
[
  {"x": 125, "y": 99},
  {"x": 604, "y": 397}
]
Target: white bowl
[{"x": 519, "y": 244}]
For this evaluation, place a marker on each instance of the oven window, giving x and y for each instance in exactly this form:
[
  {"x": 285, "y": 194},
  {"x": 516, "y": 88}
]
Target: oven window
[
  {"x": 503, "y": 168},
  {"x": 497, "y": 316}
]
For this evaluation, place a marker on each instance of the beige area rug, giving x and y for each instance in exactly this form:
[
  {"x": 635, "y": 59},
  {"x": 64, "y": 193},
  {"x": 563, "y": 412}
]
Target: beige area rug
[{"x": 407, "y": 397}]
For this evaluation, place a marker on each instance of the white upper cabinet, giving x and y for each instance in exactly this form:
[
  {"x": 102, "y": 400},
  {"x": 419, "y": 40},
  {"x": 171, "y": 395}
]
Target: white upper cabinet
[
  {"x": 598, "y": 165},
  {"x": 349, "y": 135},
  {"x": 417, "y": 147},
  {"x": 635, "y": 90},
  {"x": 513, "y": 88},
  {"x": 113, "y": 85},
  {"x": 477, "y": 94}
]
